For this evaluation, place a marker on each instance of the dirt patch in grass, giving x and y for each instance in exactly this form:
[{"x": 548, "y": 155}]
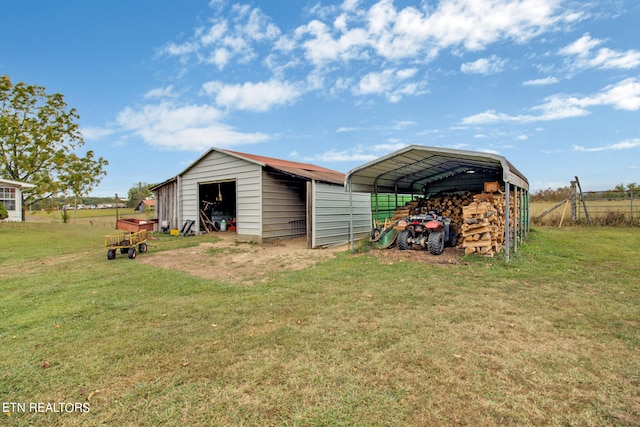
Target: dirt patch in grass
[
  {"x": 235, "y": 262},
  {"x": 251, "y": 263},
  {"x": 450, "y": 256}
]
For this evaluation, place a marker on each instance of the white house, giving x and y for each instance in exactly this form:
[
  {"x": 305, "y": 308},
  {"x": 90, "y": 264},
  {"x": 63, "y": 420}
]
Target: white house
[{"x": 11, "y": 197}]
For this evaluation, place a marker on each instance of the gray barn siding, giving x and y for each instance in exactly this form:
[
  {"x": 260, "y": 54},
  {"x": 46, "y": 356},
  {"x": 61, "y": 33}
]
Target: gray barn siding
[
  {"x": 218, "y": 167},
  {"x": 167, "y": 204},
  {"x": 283, "y": 201},
  {"x": 332, "y": 213}
]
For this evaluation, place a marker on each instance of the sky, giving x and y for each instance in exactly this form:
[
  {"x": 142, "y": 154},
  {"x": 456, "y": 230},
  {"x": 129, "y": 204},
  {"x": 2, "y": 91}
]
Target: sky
[{"x": 551, "y": 85}]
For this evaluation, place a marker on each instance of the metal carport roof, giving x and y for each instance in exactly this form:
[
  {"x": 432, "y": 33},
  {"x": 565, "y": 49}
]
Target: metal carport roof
[
  {"x": 419, "y": 169},
  {"x": 412, "y": 168}
]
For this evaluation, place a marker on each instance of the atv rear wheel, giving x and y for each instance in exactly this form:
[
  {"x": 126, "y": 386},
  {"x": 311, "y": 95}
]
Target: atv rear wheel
[
  {"x": 435, "y": 244},
  {"x": 403, "y": 240}
]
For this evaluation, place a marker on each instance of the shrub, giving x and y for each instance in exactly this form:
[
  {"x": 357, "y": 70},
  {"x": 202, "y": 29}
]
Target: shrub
[{"x": 3, "y": 212}]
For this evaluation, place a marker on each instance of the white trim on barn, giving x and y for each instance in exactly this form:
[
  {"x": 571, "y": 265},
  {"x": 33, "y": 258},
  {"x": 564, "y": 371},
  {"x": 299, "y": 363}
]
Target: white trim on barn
[{"x": 11, "y": 197}]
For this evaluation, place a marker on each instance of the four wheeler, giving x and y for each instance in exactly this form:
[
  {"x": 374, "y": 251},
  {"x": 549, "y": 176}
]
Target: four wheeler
[{"x": 430, "y": 231}]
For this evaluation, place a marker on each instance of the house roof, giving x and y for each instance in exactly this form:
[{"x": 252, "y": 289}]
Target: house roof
[
  {"x": 301, "y": 170},
  {"x": 148, "y": 203},
  {"x": 16, "y": 183},
  {"x": 413, "y": 168}
]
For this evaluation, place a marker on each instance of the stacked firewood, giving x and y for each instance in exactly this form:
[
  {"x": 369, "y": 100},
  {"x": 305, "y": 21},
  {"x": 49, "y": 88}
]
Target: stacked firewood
[
  {"x": 447, "y": 205},
  {"x": 483, "y": 224}
]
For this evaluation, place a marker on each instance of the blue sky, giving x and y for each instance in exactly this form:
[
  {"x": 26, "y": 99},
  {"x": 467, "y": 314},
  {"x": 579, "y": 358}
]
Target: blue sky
[{"x": 552, "y": 85}]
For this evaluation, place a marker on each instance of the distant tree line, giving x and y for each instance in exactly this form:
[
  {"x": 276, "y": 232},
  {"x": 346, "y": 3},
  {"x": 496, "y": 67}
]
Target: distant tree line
[{"x": 560, "y": 194}]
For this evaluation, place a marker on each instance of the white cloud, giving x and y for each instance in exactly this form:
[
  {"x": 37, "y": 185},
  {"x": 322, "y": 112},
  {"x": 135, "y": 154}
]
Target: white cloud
[
  {"x": 484, "y": 66},
  {"x": 388, "y": 148},
  {"x": 541, "y": 82},
  {"x": 624, "y": 95},
  {"x": 375, "y": 83},
  {"x": 410, "y": 32},
  {"x": 94, "y": 133},
  {"x": 350, "y": 5},
  {"x": 359, "y": 153},
  {"x": 260, "y": 96},
  {"x": 321, "y": 48},
  {"x": 188, "y": 127},
  {"x": 379, "y": 35},
  {"x": 583, "y": 55},
  {"x": 402, "y": 124},
  {"x": 342, "y": 156},
  {"x": 225, "y": 39},
  {"x": 161, "y": 92},
  {"x": 622, "y": 145},
  {"x": 389, "y": 82}
]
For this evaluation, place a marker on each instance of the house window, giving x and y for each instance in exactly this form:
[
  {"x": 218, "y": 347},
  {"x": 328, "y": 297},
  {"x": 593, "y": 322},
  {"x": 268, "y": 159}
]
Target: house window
[{"x": 8, "y": 198}]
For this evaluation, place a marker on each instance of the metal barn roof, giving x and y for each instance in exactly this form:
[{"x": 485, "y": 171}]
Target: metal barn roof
[
  {"x": 305, "y": 171},
  {"x": 417, "y": 169},
  {"x": 301, "y": 170}
]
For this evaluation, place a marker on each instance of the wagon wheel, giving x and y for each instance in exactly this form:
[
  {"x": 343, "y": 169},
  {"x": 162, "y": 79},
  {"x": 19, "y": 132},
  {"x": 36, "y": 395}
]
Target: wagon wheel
[
  {"x": 111, "y": 254},
  {"x": 375, "y": 234},
  {"x": 142, "y": 247},
  {"x": 132, "y": 253},
  {"x": 124, "y": 250}
]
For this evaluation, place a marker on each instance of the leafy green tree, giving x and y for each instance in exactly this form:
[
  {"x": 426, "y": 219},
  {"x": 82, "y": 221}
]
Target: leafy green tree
[
  {"x": 39, "y": 137},
  {"x": 138, "y": 192}
]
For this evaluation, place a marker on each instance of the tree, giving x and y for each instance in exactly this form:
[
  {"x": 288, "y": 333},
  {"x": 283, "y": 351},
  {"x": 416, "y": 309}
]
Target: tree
[
  {"x": 138, "y": 192},
  {"x": 39, "y": 137},
  {"x": 3, "y": 212}
]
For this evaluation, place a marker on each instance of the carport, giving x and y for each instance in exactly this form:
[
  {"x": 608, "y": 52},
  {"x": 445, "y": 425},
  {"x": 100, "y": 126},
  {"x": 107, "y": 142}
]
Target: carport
[{"x": 422, "y": 170}]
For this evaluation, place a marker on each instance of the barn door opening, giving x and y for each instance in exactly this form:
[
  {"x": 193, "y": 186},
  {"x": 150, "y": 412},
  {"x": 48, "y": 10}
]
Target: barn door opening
[{"x": 217, "y": 202}]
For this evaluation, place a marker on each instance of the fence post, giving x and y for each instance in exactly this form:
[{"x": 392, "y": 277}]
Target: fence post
[{"x": 574, "y": 213}]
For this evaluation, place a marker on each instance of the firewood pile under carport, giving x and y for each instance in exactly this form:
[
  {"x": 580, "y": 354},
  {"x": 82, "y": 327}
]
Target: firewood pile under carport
[{"x": 479, "y": 219}]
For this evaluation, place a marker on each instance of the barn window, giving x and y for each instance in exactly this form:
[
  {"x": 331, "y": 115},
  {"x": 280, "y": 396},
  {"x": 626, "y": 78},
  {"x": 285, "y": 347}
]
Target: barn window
[{"x": 8, "y": 198}]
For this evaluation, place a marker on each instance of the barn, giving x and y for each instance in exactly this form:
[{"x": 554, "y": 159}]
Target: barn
[
  {"x": 425, "y": 171},
  {"x": 262, "y": 198}
]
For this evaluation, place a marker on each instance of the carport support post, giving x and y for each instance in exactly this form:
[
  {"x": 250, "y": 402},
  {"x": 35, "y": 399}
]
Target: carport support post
[
  {"x": 516, "y": 218},
  {"x": 351, "y": 243},
  {"x": 507, "y": 231}
]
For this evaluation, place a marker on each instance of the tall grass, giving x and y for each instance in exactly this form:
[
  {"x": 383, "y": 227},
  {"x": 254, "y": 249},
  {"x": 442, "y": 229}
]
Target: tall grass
[
  {"x": 615, "y": 213},
  {"x": 551, "y": 338}
]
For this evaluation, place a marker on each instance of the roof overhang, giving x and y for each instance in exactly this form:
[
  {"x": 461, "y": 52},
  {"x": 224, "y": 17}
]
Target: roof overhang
[
  {"x": 19, "y": 184},
  {"x": 416, "y": 167}
]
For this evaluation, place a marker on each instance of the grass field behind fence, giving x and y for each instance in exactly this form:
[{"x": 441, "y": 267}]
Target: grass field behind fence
[
  {"x": 601, "y": 212},
  {"x": 552, "y": 338}
]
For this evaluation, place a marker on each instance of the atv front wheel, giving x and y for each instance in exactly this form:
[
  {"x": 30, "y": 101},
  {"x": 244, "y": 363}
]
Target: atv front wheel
[{"x": 435, "y": 244}]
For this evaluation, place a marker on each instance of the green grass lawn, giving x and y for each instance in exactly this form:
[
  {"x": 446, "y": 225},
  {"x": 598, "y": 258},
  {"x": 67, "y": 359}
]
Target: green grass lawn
[{"x": 552, "y": 338}]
